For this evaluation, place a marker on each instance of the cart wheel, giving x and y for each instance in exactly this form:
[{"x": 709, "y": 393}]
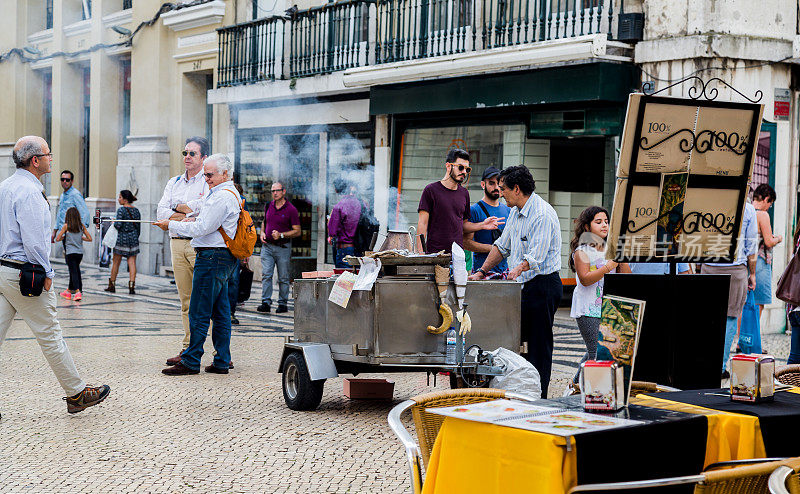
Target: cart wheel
[{"x": 299, "y": 391}]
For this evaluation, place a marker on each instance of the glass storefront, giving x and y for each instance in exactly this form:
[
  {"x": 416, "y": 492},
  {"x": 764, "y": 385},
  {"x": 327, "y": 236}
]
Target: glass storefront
[
  {"x": 306, "y": 161},
  {"x": 570, "y": 172}
]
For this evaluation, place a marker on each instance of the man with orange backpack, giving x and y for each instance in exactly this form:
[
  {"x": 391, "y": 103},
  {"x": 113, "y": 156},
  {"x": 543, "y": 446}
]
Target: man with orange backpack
[{"x": 221, "y": 234}]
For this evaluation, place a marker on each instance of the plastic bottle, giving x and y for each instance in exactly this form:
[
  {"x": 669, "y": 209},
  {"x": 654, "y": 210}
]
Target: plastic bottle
[{"x": 450, "y": 346}]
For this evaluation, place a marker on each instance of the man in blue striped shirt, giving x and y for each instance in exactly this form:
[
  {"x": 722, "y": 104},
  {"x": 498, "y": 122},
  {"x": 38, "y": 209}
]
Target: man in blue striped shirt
[{"x": 531, "y": 241}]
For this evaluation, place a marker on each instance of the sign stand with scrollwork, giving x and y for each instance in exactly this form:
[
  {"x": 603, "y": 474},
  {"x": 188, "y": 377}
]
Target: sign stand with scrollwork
[{"x": 682, "y": 178}]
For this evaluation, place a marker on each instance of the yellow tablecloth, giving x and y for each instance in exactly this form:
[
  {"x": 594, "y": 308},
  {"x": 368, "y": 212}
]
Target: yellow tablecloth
[{"x": 485, "y": 458}]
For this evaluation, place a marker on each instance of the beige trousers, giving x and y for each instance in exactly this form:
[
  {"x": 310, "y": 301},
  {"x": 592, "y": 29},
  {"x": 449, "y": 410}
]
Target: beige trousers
[
  {"x": 40, "y": 315},
  {"x": 183, "y": 267}
]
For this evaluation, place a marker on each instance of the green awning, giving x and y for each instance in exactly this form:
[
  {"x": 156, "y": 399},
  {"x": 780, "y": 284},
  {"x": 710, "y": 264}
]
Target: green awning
[{"x": 597, "y": 82}]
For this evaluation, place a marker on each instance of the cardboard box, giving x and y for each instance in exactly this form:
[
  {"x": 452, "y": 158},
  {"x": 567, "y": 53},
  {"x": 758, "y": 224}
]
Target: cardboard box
[
  {"x": 368, "y": 389},
  {"x": 316, "y": 274}
]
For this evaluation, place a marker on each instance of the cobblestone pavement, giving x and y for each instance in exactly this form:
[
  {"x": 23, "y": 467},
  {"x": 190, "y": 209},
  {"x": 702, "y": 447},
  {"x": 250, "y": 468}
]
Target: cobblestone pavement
[{"x": 205, "y": 433}]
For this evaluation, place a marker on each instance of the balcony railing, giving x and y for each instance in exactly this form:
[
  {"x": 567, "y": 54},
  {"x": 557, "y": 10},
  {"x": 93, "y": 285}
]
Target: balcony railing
[
  {"x": 338, "y": 36},
  {"x": 251, "y": 52},
  {"x": 411, "y": 29},
  {"x": 329, "y": 38}
]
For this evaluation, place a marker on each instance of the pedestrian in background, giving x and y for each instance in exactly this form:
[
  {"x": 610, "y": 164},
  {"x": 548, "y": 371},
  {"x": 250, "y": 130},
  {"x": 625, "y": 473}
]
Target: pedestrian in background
[
  {"x": 182, "y": 195},
  {"x": 70, "y": 198},
  {"x": 213, "y": 267},
  {"x": 480, "y": 242},
  {"x": 743, "y": 277},
  {"x": 763, "y": 199},
  {"x": 343, "y": 223},
  {"x": 73, "y": 233},
  {"x": 127, "y": 240},
  {"x": 25, "y": 216},
  {"x": 588, "y": 261},
  {"x": 281, "y": 224}
]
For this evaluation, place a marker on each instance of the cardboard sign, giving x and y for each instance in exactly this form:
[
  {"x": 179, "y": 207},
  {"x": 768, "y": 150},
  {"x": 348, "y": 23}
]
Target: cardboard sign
[{"x": 682, "y": 179}]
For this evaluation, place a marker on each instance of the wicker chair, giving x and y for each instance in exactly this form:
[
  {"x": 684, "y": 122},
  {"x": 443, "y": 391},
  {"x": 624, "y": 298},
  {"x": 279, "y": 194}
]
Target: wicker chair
[
  {"x": 644, "y": 387},
  {"x": 785, "y": 480},
  {"x": 745, "y": 477},
  {"x": 427, "y": 424},
  {"x": 788, "y": 374}
]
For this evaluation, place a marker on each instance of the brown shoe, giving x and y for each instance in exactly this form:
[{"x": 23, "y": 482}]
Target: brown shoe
[
  {"x": 179, "y": 370},
  {"x": 230, "y": 364},
  {"x": 213, "y": 369},
  {"x": 175, "y": 360},
  {"x": 87, "y": 398}
]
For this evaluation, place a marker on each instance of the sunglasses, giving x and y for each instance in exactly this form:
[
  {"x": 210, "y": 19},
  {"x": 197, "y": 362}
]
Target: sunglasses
[
  {"x": 209, "y": 175},
  {"x": 461, "y": 168},
  {"x": 190, "y": 153},
  {"x": 66, "y": 179},
  {"x": 276, "y": 190}
]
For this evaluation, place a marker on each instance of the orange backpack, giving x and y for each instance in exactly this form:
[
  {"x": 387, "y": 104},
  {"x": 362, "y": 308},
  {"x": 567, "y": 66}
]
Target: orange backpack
[{"x": 244, "y": 240}]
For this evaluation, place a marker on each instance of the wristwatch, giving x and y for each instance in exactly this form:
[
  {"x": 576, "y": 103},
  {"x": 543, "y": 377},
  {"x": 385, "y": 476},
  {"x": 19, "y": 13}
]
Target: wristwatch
[{"x": 281, "y": 235}]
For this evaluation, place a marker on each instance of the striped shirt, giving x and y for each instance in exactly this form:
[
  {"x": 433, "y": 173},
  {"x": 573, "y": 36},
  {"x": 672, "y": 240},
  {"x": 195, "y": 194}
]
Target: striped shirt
[{"x": 532, "y": 234}]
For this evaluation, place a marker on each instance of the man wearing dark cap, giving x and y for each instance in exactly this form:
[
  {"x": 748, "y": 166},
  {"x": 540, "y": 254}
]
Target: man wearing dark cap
[{"x": 480, "y": 242}]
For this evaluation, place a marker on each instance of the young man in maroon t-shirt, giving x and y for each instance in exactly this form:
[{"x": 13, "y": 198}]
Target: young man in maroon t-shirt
[
  {"x": 444, "y": 208},
  {"x": 281, "y": 224}
]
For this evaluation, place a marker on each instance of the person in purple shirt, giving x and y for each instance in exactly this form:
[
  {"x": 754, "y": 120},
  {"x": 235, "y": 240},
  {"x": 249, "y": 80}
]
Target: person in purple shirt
[
  {"x": 444, "y": 214},
  {"x": 281, "y": 224},
  {"x": 343, "y": 223}
]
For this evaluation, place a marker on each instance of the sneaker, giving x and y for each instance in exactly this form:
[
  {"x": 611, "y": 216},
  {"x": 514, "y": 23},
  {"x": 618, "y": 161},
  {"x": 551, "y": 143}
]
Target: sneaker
[
  {"x": 234, "y": 320},
  {"x": 87, "y": 398},
  {"x": 77, "y": 296},
  {"x": 725, "y": 374},
  {"x": 263, "y": 308},
  {"x": 281, "y": 308},
  {"x": 66, "y": 294}
]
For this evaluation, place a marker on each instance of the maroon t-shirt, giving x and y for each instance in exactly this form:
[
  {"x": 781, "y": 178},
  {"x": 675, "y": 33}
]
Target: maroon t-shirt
[
  {"x": 447, "y": 209},
  {"x": 280, "y": 219}
]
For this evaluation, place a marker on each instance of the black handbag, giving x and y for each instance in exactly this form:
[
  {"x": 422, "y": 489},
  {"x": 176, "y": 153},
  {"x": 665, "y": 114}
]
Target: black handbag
[
  {"x": 245, "y": 284},
  {"x": 31, "y": 279}
]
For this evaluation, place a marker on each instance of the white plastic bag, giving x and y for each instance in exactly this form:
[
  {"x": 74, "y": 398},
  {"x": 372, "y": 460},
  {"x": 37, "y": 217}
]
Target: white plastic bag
[
  {"x": 519, "y": 375},
  {"x": 110, "y": 238}
]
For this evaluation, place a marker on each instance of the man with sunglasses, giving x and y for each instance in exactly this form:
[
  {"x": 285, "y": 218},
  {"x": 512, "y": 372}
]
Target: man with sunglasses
[
  {"x": 444, "y": 214},
  {"x": 183, "y": 194},
  {"x": 70, "y": 198}
]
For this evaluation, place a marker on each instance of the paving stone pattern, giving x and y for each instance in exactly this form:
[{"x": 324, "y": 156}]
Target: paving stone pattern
[{"x": 206, "y": 433}]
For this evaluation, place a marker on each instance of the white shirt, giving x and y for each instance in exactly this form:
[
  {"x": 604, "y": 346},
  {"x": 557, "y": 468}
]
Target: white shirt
[
  {"x": 221, "y": 208},
  {"x": 180, "y": 190},
  {"x": 532, "y": 234},
  {"x": 588, "y": 300},
  {"x": 25, "y": 216}
]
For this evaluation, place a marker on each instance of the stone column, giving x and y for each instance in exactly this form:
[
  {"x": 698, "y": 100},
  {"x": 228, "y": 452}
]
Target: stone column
[
  {"x": 7, "y": 166},
  {"x": 383, "y": 166},
  {"x": 143, "y": 166}
]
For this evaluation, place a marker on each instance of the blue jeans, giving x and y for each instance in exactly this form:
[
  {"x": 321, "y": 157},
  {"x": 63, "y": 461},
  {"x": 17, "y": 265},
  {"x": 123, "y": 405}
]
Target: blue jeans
[
  {"x": 731, "y": 324},
  {"x": 212, "y": 270},
  {"x": 233, "y": 286},
  {"x": 341, "y": 253},
  {"x": 275, "y": 256},
  {"x": 794, "y": 351}
]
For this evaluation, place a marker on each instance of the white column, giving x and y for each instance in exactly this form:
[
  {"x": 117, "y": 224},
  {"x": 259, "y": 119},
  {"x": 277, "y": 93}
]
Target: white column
[{"x": 383, "y": 166}]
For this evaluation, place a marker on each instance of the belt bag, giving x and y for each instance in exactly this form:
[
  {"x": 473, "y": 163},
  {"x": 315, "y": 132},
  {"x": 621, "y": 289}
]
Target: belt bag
[{"x": 31, "y": 279}]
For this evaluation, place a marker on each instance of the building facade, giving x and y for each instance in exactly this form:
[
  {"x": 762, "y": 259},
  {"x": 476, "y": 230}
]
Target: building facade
[
  {"x": 375, "y": 93},
  {"x": 114, "y": 105}
]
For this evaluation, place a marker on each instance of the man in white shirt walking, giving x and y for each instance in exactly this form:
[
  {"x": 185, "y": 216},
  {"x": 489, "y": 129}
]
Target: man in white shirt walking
[
  {"x": 25, "y": 238},
  {"x": 213, "y": 266},
  {"x": 188, "y": 188}
]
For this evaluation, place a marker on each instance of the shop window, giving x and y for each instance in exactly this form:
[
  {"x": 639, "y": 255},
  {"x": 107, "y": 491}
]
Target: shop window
[
  {"x": 48, "y": 14},
  {"x": 87, "y": 9},
  {"x": 350, "y": 162},
  {"x": 125, "y": 114},
  {"x": 422, "y": 161},
  {"x": 577, "y": 164}
]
